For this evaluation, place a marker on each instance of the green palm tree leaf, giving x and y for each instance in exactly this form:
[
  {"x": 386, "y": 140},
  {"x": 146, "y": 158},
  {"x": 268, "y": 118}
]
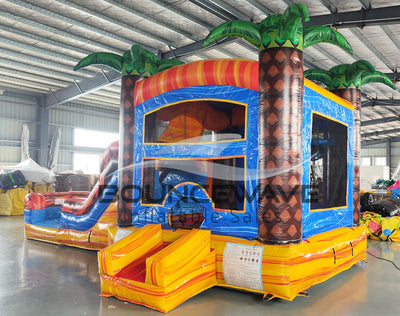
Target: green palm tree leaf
[
  {"x": 135, "y": 51},
  {"x": 139, "y": 59},
  {"x": 293, "y": 27},
  {"x": 339, "y": 70},
  {"x": 361, "y": 65},
  {"x": 247, "y": 30},
  {"x": 356, "y": 70},
  {"x": 269, "y": 29},
  {"x": 150, "y": 60},
  {"x": 320, "y": 75},
  {"x": 318, "y": 34},
  {"x": 127, "y": 56},
  {"x": 149, "y": 56},
  {"x": 271, "y": 23},
  {"x": 127, "y": 63},
  {"x": 340, "y": 77},
  {"x": 109, "y": 59},
  {"x": 295, "y": 10},
  {"x": 164, "y": 64},
  {"x": 377, "y": 76}
]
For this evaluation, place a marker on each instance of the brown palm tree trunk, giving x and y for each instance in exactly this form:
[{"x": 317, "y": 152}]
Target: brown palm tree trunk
[
  {"x": 280, "y": 145},
  {"x": 126, "y": 148},
  {"x": 354, "y": 97}
]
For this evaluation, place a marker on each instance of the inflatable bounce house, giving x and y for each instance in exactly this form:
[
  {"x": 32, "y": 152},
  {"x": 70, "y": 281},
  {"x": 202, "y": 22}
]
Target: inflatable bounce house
[
  {"x": 76, "y": 219},
  {"x": 232, "y": 173}
]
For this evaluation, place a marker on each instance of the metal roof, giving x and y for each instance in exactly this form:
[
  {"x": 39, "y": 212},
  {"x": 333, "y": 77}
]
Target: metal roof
[{"x": 42, "y": 40}]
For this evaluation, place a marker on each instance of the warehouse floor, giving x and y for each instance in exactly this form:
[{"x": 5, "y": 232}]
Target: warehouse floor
[{"x": 38, "y": 278}]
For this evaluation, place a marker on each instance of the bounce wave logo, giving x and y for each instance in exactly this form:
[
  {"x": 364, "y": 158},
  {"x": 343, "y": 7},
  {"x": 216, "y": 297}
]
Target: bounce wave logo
[{"x": 223, "y": 193}]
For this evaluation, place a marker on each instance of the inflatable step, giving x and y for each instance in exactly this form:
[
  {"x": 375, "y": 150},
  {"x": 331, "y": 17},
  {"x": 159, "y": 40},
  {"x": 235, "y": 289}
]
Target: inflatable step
[{"x": 150, "y": 269}]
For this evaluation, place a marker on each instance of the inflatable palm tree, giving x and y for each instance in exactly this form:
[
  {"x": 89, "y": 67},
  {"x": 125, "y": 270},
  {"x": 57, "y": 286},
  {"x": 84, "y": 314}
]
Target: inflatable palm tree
[
  {"x": 280, "y": 39},
  {"x": 345, "y": 81},
  {"x": 135, "y": 64}
]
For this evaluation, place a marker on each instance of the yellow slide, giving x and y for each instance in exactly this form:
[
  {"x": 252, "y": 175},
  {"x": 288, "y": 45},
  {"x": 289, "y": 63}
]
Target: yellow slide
[{"x": 156, "y": 269}]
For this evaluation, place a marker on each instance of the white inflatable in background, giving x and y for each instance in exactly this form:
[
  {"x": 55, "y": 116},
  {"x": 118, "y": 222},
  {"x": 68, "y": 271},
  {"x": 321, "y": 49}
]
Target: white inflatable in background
[{"x": 33, "y": 172}]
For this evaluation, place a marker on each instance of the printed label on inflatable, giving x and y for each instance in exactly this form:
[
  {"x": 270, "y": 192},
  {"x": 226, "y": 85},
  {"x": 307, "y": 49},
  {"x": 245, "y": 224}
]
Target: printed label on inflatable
[
  {"x": 121, "y": 233},
  {"x": 242, "y": 266}
]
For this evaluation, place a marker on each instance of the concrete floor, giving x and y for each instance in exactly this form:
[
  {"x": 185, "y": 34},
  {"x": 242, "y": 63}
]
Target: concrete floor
[{"x": 38, "y": 278}]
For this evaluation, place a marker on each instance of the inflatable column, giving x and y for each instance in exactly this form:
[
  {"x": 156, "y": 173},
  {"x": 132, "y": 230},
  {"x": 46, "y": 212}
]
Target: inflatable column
[
  {"x": 353, "y": 95},
  {"x": 280, "y": 145},
  {"x": 126, "y": 149},
  {"x": 280, "y": 40}
]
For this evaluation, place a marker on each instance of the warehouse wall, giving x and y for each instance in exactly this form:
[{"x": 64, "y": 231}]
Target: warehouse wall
[
  {"x": 395, "y": 157},
  {"x": 17, "y": 109},
  {"x": 70, "y": 116},
  {"x": 378, "y": 150},
  {"x": 381, "y": 150}
]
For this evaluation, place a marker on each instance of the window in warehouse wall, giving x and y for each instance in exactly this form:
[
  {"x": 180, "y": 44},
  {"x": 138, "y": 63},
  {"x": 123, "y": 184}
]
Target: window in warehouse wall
[
  {"x": 89, "y": 138},
  {"x": 380, "y": 161},
  {"x": 365, "y": 161},
  {"x": 87, "y": 163},
  {"x": 90, "y": 163}
]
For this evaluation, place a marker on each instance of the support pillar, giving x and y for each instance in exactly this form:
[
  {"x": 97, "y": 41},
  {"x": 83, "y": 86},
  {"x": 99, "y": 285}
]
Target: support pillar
[
  {"x": 389, "y": 155},
  {"x": 43, "y": 136}
]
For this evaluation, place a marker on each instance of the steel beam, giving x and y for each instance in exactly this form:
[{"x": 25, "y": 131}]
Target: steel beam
[
  {"x": 384, "y": 16},
  {"x": 380, "y": 133},
  {"x": 380, "y": 102},
  {"x": 360, "y": 18},
  {"x": 77, "y": 90},
  {"x": 194, "y": 48},
  {"x": 380, "y": 121},
  {"x": 365, "y": 143},
  {"x": 217, "y": 10},
  {"x": 394, "y": 76}
]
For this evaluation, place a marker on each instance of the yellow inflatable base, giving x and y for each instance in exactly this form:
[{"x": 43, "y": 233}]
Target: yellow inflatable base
[
  {"x": 95, "y": 238},
  {"x": 12, "y": 201},
  {"x": 161, "y": 269}
]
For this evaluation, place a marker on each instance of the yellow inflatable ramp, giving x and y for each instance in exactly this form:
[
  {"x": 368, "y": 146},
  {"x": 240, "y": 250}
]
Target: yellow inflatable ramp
[{"x": 151, "y": 269}]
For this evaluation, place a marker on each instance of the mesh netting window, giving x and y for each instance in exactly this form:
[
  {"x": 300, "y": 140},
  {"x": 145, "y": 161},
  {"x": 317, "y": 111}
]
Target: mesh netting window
[
  {"x": 328, "y": 172},
  {"x": 196, "y": 121}
]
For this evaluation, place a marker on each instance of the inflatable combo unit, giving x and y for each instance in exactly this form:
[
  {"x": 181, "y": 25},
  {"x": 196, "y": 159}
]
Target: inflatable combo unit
[
  {"x": 79, "y": 219},
  {"x": 232, "y": 173},
  {"x": 203, "y": 216}
]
